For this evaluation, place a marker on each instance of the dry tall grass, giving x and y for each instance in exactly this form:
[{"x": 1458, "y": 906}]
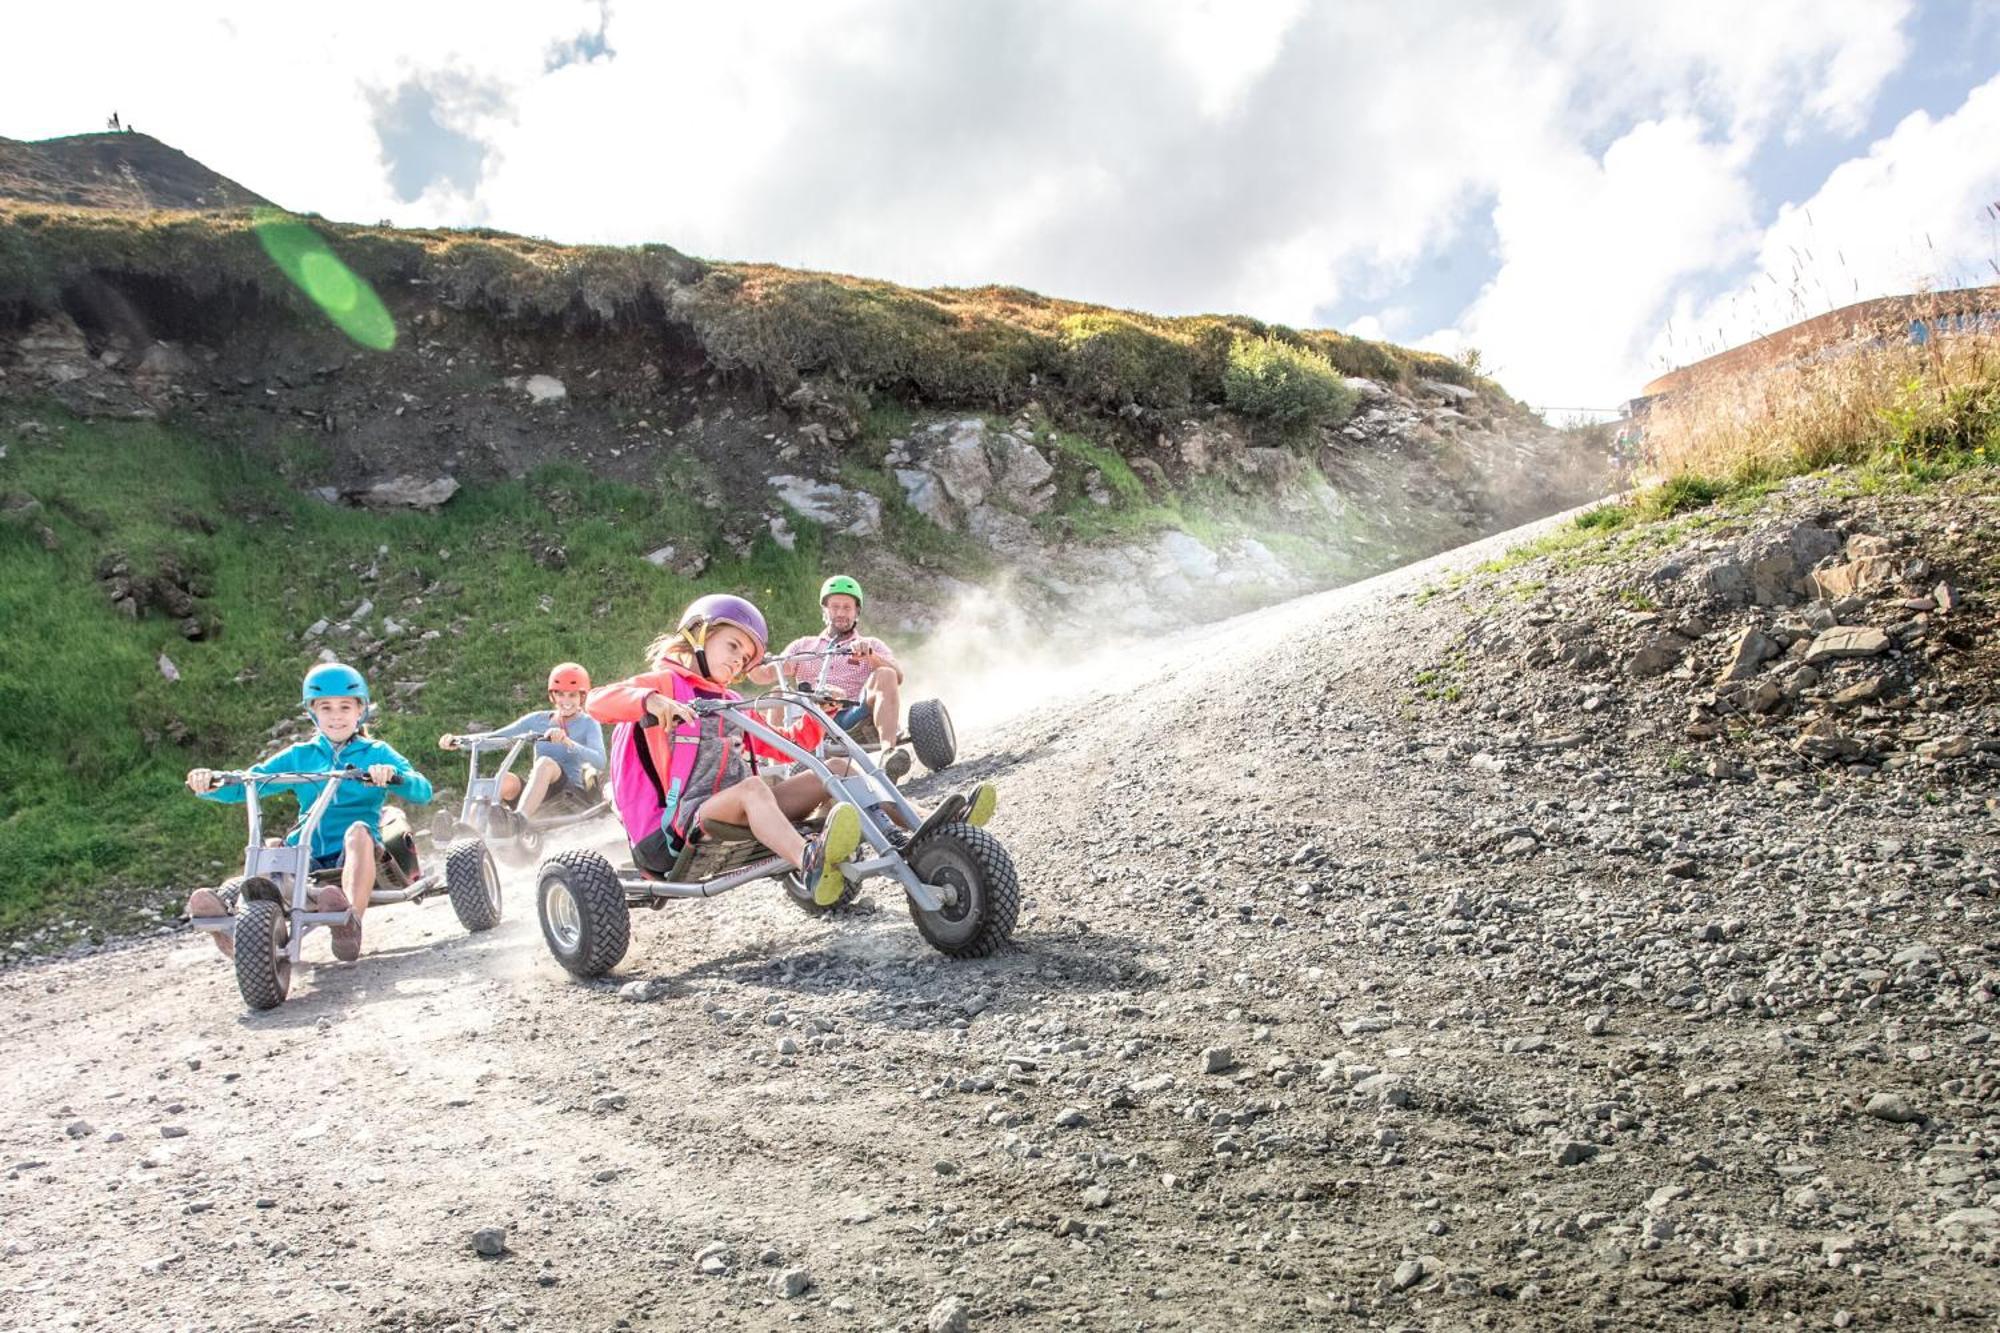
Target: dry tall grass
[{"x": 1889, "y": 401}]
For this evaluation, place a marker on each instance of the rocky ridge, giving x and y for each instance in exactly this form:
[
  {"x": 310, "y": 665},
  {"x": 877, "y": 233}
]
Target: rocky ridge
[{"x": 1412, "y": 472}]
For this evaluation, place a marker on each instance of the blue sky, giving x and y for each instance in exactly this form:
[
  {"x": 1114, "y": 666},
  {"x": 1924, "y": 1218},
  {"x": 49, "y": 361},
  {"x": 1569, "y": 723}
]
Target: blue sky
[{"x": 1585, "y": 192}]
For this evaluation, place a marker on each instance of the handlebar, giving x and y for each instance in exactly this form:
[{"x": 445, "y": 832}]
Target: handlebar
[
  {"x": 487, "y": 740},
  {"x": 225, "y": 777}
]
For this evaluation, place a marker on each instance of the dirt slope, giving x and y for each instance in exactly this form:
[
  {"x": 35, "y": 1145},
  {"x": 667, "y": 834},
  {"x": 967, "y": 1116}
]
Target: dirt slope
[{"x": 1462, "y": 1086}]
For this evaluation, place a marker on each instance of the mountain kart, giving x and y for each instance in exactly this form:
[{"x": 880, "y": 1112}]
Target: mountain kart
[
  {"x": 485, "y": 815},
  {"x": 959, "y": 880},
  {"x": 927, "y": 728},
  {"x": 272, "y": 898}
]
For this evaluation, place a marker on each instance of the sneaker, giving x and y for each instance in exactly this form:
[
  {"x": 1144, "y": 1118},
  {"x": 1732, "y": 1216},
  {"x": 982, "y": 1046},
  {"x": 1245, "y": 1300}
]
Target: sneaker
[
  {"x": 346, "y": 938},
  {"x": 979, "y": 806},
  {"x": 895, "y": 762},
  {"x": 826, "y": 853}
]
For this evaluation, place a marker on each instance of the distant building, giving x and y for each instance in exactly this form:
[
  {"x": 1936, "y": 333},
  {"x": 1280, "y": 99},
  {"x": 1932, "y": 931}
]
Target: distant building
[{"x": 1878, "y": 323}]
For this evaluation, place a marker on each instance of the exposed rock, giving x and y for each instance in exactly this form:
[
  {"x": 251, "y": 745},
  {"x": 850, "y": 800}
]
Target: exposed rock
[
  {"x": 848, "y": 512},
  {"x": 926, "y": 495},
  {"x": 1661, "y": 652},
  {"x": 407, "y": 492},
  {"x": 1847, "y": 641}
]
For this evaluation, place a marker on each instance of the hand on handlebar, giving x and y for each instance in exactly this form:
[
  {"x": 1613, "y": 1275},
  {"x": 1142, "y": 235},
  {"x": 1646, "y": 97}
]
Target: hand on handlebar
[
  {"x": 666, "y": 710},
  {"x": 382, "y": 775},
  {"x": 201, "y": 780},
  {"x": 449, "y": 742},
  {"x": 556, "y": 736}
]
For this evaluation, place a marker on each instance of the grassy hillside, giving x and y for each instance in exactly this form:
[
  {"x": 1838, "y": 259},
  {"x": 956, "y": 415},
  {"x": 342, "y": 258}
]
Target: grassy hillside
[
  {"x": 998, "y": 346},
  {"x": 96, "y": 736}
]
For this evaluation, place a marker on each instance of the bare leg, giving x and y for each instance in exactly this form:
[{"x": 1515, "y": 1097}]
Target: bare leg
[
  {"x": 884, "y": 694},
  {"x": 752, "y": 802},
  {"x": 540, "y": 779},
  {"x": 510, "y": 787},
  {"x": 357, "y": 867}
]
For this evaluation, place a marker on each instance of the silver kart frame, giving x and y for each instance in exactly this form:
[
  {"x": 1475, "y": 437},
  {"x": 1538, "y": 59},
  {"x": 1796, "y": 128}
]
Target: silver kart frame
[
  {"x": 289, "y": 866},
  {"x": 482, "y": 794},
  {"x": 867, "y": 788}
]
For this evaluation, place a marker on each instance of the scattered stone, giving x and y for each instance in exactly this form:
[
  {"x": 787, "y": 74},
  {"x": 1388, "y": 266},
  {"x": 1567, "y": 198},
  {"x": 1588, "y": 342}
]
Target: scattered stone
[
  {"x": 406, "y": 492},
  {"x": 1217, "y": 1060},
  {"x": 489, "y": 1242},
  {"x": 1844, "y": 641},
  {"x": 1573, "y": 1152},
  {"x": 791, "y": 1284},
  {"x": 1656, "y": 655},
  {"x": 949, "y": 1315},
  {"x": 1894, "y": 1108},
  {"x": 1746, "y": 657}
]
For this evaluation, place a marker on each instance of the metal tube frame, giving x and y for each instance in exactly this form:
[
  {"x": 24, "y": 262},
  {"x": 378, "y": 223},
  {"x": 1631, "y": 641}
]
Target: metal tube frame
[
  {"x": 482, "y": 794},
  {"x": 289, "y": 865},
  {"x": 867, "y": 790}
]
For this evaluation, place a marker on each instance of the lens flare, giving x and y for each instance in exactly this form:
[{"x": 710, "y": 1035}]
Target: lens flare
[{"x": 303, "y": 256}]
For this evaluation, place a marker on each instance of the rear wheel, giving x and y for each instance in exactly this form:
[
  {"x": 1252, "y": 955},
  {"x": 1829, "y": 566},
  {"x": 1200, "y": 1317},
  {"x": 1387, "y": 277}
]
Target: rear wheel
[
  {"x": 523, "y": 849},
  {"x": 974, "y": 876},
  {"x": 473, "y": 882},
  {"x": 263, "y": 966},
  {"x": 932, "y": 735},
  {"x": 584, "y": 917}
]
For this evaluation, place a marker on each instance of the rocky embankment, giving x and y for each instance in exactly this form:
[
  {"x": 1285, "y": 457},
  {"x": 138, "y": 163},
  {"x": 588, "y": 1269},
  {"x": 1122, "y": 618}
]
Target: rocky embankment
[
  {"x": 1385, "y": 959},
  {"x": 1417, "y": 468}
]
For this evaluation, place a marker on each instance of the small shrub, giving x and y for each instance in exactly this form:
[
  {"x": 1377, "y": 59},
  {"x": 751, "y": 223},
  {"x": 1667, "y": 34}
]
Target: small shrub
[
  {"x": 1112, "y": 361},
  {"x": 1681, "y": 493},
  {"x": 1606, "y": 517},
  {"x": 1294, "y": 387}
]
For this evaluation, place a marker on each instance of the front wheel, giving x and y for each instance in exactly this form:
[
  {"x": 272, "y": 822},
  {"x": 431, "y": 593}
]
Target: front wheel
[
  {"x": 974, "y": 876},
  {"x": 473, "y": 882},
  {"x": 263, "y": 960},
  {"x": 932, "y": 735},
  {"x": 584, "y": 917}
]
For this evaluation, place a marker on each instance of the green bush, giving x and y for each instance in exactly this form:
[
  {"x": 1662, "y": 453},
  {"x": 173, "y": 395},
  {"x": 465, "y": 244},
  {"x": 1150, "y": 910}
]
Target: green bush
[
  {"x": 1683, "y": 492},
  {"x": 1294, "y": 387},
  {"x": 1112, "y": 361},
  {"x": 1358, "y": 356}
]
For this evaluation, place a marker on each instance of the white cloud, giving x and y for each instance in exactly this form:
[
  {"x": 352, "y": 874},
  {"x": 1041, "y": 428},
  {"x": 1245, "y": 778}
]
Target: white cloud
[
  {"x": 1909, "y": 215},
  {"x": 1590, "y": 251},
  {"x": 1273, "y": 158}
]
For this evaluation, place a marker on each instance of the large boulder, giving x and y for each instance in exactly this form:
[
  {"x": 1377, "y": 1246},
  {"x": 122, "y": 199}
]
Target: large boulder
[{"x": 926, "y": 495}]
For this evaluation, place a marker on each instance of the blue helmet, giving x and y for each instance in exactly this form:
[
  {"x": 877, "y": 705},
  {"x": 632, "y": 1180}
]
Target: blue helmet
[{"x": 333, "y": 680}]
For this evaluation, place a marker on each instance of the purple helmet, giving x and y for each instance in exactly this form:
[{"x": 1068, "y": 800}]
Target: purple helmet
[{"x": 721, "y": 608}]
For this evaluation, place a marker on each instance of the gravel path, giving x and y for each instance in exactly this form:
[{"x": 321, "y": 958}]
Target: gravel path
[{"x": 1316, "y": 1020}]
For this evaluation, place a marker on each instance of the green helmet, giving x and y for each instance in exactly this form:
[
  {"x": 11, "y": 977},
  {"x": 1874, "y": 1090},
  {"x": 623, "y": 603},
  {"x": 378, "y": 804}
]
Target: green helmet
[{"x": 841, "y": 583}]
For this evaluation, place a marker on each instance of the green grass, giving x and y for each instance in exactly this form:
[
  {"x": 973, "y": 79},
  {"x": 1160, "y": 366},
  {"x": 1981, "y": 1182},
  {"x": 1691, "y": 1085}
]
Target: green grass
[{"x": 97, "y": 739}]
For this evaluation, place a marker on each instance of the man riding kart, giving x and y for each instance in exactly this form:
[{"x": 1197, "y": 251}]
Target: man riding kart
[{"x": 858, "y": 666}]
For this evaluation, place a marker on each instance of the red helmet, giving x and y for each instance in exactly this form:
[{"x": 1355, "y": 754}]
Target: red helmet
[{"x": 569, "y": 676}]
